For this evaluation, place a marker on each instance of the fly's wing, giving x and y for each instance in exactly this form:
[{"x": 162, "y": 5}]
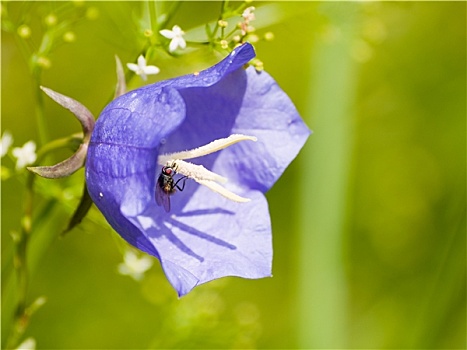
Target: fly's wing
[{"x": 162, "y": 198}]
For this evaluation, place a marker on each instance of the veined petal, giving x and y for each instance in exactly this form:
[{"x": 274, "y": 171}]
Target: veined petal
[
  {"x": 207, "y": 239},
  {"x": 257, "y": 107}
]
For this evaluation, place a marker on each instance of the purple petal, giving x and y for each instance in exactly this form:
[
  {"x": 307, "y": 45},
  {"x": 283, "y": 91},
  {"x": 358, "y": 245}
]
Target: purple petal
[
  {"x": 210, "y": 238},
  {"x": 250, "y": 103}
]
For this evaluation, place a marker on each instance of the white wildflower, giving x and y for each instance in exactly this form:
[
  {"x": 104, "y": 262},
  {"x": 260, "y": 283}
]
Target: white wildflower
[
  {"x": 142, "y": 69},
  {"x": 176, "y": 36},
  {"x": 134, "y": 266},
  {"x": 5, "y": 143},
  {"x": 248, "y": 14},
  {"x": 27, "y": 344},
  {"x": 25, "y": 155}
]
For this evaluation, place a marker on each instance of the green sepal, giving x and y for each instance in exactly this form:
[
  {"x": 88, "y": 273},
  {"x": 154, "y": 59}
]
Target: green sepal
[{"x": 81, "y": 210}]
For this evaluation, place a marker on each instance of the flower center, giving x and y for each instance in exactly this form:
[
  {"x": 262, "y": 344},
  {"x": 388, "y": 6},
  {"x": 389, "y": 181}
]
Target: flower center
[{"x": 199, "y": 173}]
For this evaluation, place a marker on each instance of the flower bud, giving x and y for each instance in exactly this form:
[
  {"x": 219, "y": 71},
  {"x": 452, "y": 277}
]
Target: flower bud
[{"x": 24, "y": 31}]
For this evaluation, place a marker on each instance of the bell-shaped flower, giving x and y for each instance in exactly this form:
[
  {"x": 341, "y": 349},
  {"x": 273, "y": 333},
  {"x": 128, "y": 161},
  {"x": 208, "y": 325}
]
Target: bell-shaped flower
[{"x": 174, "y": 169}]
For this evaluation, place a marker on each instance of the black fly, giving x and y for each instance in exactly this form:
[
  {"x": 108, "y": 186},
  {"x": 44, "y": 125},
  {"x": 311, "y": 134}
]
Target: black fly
[{"x": 166, "y": 186}]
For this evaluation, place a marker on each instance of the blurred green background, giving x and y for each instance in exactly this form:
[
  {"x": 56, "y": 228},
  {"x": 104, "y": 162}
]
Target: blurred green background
[{"x": 368, "y": 222}]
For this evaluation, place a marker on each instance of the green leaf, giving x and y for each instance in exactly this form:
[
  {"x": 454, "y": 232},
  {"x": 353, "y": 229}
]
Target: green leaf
[{"x": 81, "y": 211}]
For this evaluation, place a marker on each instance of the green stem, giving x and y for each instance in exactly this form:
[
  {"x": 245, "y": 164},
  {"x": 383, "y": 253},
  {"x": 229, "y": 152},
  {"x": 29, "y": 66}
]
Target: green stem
[
  {"x": 322, "y": 294},
  {"x": 40, "y": 115},
  {"x": 173, "y": 10},
  {"x": 221, "y": 17},
  {"x": 36, "y": 71},
  {"x": 152, "y": 12},
  {"x": 21, "y": 317},
  {"x": 216, "y": 26},
  {"x": 23, "y": 312}
]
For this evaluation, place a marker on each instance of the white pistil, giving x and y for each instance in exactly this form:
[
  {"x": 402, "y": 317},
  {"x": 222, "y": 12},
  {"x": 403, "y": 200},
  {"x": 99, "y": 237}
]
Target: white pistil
[{"x": 199, "y": 173}]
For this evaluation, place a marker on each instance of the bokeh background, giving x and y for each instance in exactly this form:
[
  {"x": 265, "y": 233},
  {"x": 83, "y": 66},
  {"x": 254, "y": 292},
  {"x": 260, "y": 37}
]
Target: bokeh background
[{"x": 368, "y": 221}]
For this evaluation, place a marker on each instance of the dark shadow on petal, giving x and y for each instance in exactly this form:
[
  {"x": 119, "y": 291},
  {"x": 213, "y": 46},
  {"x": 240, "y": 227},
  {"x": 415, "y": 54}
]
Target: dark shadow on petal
[
  {"x": 165, "y": 231},
  {"x": 206, "y": 212},
  {"x": 200, "y": 234},
  {"x": 164, "y": 223}
]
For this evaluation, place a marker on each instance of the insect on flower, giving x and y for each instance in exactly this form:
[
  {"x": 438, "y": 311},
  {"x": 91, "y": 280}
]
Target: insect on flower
[{"x": 166, "y": 186}]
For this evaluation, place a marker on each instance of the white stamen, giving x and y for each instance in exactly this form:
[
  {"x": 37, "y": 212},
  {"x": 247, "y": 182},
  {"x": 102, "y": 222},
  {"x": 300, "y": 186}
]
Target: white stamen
[
  {"x": 211, "y": 147},
  {"x": 193, "y": 171},
  {"x": 199, "y": 173},
  {"x": 214, "y": 186}
]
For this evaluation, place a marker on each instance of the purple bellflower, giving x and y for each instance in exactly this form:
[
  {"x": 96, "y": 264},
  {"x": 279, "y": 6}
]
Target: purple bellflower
[{"x": 204, "y": 235}]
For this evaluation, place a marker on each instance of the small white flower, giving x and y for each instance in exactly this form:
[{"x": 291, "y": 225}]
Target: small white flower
[
  {"x": 5, "y": 143},
  {"x": 133, "y": 266},
  {"x": 25, "y": 155},
  {"x": 176, "y": 36},
  {"x": 142, "y": 69},
  {"x": 248, "y": 14},
  {"x": 27, "y": 344}
]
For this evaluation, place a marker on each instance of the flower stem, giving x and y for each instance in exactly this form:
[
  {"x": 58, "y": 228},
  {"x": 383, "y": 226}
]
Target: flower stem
[
  {"x": 40, "y": 116},
  {"x": 36, "y": 71},
  {"x": 172, "y": 11},
  {"x": 21, "y": 317}
]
